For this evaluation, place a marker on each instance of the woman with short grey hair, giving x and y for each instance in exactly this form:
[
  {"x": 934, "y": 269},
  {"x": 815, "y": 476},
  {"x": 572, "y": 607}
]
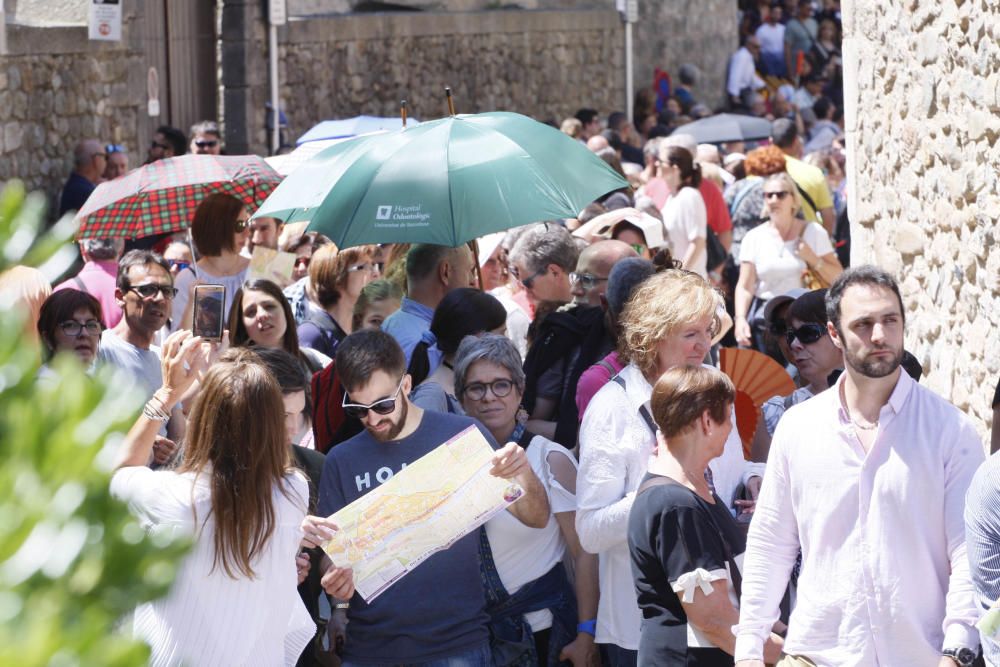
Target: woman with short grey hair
[{"x": 528, "y": 592}]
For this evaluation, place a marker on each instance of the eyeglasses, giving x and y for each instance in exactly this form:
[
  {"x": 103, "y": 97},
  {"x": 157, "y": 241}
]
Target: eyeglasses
[
  {"x": 206, "y": 144},
  {"x": 780, "y": 194},
  {"x": 150, "y": 290},
  {"x": 383, "y": 406},
  {"x": 74, "y": 328},
  {"x": 807, "y": 334},
  {"x": 301, "y": 262},
  {"x": 103, "y": 155},
  {"x": 500, "y": 388},
  {"x": 587, "y": 280},
  {"x": 156, "y": 144},
  {"x": 530, "y": 280},
  {"x": 367, "y": 266},
  {"x": 114, "y": 148},
  {"x": 178, "y": 264}
]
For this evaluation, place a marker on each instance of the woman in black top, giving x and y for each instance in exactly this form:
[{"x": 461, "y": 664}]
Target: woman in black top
[{"x": 684, "y": 543}]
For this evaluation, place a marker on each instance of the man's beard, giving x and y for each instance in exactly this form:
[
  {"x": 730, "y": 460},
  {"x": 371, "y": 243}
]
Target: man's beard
[
  {"x": 396, "y": 427},
  {"x": 875, "y": 368}
]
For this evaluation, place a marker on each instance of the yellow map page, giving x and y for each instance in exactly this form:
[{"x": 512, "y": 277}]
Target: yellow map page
[{"x": 423, "y": 509}]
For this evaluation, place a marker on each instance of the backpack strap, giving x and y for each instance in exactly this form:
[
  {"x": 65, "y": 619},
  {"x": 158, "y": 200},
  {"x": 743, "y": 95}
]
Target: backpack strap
[
  {"x": 80, "y": 285},
  {"x": 805, "y": 195},
  {"x": 643, "y": 410}
]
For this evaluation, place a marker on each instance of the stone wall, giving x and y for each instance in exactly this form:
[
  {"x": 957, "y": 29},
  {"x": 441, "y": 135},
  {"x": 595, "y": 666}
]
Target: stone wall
[
  {"x": 544, "y": 64},
  {"x": 922, "y": 97},
  {"x": 701, "y": 32},
  {"x": 57, "y": 88}
]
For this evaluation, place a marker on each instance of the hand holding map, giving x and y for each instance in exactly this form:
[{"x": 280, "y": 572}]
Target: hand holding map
[{"x": 425, "y": 508}]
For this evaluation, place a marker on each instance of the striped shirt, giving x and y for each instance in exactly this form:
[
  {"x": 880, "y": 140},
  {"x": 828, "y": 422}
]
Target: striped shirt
[{"x": 982, "y": 539}]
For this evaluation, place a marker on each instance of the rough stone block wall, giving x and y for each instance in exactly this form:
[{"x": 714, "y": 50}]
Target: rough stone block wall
[
  {"x": 57, "y": 88},
  {"x": 923, "y": 96},
  {"x": 542, "y": 64},
  {"x": 701, "y": 32}
]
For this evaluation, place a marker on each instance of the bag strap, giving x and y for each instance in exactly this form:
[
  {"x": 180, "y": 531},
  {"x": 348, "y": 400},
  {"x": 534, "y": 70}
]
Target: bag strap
[
  {"x": 80, "y": 285},
  {"x": 643, "y": 410},
  {"x": 734, "y": 570},
  {"x": 805, "y": 195}
]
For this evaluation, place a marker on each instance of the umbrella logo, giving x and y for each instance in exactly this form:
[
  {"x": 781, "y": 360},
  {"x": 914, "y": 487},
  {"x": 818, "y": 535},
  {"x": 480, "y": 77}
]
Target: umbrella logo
[{"x": 383, "y": 213}]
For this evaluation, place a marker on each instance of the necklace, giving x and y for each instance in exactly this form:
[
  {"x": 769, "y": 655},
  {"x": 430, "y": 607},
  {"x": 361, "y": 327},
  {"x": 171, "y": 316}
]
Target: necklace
[{"x": 863, "y": 427}]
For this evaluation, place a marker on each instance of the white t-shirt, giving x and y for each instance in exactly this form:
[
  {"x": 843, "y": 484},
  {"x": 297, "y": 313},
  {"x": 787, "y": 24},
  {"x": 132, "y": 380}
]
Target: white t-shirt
[
  {"x": 686, "y": 219},
  {"x": 772, "y": 38},
  {"x": 523, "y": 554},
  {"x": 209, "y": 618},
  {"x": 777, "y": 262}
]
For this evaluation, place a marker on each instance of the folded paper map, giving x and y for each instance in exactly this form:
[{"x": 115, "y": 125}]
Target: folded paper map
[
  {"x": 423, "y": 509},
  {"x": 268, "y": 264}
]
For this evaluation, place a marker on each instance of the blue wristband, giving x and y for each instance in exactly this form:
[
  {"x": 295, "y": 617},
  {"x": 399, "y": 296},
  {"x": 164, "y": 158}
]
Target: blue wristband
[{"x": 590, "y": 627}]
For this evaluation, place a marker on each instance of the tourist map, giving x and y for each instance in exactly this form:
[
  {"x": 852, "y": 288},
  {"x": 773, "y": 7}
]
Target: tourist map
[{"x": 423, "y": 509}]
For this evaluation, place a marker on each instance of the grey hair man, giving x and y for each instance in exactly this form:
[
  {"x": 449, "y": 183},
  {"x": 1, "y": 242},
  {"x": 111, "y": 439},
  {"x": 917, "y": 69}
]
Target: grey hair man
[
  {"x": 431, "y": 272},
  {"x": 206, "y": 138},
  {"x": 89, "y": 162},
  {"x": 542, "y": 260},
  {"x": 98, "y": 275}
]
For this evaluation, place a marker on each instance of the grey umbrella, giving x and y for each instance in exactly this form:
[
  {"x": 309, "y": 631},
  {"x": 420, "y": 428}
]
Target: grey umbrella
[{"x": 727, "y": 127}]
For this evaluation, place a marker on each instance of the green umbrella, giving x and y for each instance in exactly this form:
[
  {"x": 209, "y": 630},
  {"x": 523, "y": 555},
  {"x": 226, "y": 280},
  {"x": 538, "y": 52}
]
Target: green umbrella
[{"x": 446, "y": 181}]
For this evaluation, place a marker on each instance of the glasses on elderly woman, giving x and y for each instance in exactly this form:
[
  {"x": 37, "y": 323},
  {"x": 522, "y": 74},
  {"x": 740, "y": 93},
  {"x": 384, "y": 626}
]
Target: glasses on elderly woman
[{"x": 499, "y": 388}]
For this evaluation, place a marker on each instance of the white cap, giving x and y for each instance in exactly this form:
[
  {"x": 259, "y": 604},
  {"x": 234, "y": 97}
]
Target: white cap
[{"x": 488, "y": 245}]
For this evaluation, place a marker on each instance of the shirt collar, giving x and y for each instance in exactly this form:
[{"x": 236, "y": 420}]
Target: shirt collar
[
  {"x": 904, "y": 384},
  {"x": 412, "y": 307}
]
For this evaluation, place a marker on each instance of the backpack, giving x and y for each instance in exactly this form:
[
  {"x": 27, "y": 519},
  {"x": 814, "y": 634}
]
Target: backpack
[
  {"x": 576, "y": 330},
  {"x": 330, "y": 425}
]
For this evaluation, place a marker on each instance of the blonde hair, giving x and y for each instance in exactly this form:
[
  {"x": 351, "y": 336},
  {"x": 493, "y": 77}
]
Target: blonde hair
[
  {"x": 789, "y": 186},
  {"x": 660, "y": 305}
]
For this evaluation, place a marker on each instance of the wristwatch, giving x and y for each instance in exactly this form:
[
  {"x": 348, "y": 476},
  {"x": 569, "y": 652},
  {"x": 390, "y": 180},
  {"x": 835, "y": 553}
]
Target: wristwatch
[{"x": 963, "y": 656}]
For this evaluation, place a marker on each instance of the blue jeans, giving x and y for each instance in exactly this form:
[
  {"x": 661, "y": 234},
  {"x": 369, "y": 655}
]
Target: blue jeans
[
  {"x": 616, "y": 656},
  {"x": 477, "y": 657}
]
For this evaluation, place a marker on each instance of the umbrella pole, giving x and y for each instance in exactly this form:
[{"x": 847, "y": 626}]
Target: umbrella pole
[
  {"x": 402, "y": 111},
  {"x": 474, "y": 244},
  {"x": 451, "y": 102}
]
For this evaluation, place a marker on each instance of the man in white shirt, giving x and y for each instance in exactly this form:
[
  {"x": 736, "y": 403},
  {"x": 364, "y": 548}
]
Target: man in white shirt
[
  {"x": 868, "y": 480},
  {"x": 743, "y": 72},
  {"x": 771, "y": 34}
]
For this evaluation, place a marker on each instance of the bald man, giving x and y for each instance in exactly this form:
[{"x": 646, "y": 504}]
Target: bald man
[
  {"x": 590, "y": 280},
  {"x": 597, "y": 143},
  {"x": 89, "y": 162}
]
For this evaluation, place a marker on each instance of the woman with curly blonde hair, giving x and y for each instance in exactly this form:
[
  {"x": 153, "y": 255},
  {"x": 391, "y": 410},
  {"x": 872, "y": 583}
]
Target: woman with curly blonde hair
[{"x": 669, "y": 321}]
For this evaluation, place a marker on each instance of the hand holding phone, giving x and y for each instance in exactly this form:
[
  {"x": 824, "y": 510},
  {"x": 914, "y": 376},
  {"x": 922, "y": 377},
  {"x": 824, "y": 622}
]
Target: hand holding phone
[{"x": 209, "y": 301}]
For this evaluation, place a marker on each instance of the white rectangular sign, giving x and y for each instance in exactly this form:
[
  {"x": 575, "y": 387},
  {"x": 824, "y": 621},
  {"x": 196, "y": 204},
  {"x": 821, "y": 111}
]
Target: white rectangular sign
[{"x": 105, "y": 20}]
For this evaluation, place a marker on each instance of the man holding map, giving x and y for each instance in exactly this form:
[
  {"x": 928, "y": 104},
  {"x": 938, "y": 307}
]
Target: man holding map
[{"x": 435, "y": 613}]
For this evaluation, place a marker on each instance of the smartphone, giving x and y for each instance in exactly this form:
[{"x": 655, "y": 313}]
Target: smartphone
[{"x": 208, "y": 311}]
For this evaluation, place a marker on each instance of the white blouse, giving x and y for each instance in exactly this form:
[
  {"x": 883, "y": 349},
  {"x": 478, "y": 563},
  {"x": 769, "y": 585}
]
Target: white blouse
[
  {"x": 686, "y": 220},
  {"x": 523, "y": 554},
  {"x": 209, "y": 618},
  {"x": 777, "y": 262}
]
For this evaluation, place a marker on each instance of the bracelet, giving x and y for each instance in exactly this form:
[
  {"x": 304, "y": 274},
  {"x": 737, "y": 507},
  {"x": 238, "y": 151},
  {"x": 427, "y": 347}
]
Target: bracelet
[
  {"x": 590, "y": 627},
  {"x": 155, "y": 413}
]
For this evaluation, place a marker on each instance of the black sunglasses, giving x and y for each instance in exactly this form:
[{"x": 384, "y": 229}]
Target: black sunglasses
[
  {"x": 807, "y": 333},
  {"x": 150, "y": 290},
  {"x": 530, "y": 280},
  {"x": 383, "y": 406},
  {"x": 780, "y": 194},
  {"x": 206, "y": 144}
]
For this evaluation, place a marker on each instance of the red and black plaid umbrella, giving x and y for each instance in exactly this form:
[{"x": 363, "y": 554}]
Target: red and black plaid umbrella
[{"x": 161, "y": 197}]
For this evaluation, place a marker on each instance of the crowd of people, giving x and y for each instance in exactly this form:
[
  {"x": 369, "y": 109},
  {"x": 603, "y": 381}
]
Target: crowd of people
[{"x": 857, "y": 525}]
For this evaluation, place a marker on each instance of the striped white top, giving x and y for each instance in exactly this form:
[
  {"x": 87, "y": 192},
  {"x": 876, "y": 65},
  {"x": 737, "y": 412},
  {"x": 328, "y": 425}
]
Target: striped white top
[
  {"x": 982, "y": 539},
  {"x": 209, "y": 618}
]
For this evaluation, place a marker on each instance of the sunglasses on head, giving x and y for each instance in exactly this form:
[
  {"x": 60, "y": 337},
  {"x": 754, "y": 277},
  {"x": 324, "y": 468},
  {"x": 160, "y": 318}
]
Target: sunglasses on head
[
  {"x": 807, "y": 333},
  {"x": 178, "y": 264},
  {"x": 383, "y": 406},
  {"x": 114, "y": 148}
]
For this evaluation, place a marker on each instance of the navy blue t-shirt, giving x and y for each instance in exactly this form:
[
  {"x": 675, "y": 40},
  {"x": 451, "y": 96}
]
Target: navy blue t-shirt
[{"x": 438, "y": 609}]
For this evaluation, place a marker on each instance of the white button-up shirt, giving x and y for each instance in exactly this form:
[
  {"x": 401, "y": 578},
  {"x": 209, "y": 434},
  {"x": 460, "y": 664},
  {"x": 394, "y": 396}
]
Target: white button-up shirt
[
  {"x": 884, "y": 579},
  {"x": 742, "y": 73},
  {"x": 615, "y": 446}
]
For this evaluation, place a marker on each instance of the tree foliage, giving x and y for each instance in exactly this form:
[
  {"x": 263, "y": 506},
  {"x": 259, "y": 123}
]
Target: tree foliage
[{"x": 73, "y": 560}]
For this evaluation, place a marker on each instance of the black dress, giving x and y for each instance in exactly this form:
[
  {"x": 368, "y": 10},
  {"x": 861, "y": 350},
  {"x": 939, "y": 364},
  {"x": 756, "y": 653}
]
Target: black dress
[{"x": 672, "y": 531}]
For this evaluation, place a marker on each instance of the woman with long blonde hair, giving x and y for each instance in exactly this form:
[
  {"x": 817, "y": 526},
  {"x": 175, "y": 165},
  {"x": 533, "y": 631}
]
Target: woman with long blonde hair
[{"x": 234, "y": 599}]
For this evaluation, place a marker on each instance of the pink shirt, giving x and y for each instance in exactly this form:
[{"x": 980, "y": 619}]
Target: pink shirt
[
  {"x": 885, "y": 577},
  {"x": 593, "y": 379},
  {"x": 99, "y": 279}
]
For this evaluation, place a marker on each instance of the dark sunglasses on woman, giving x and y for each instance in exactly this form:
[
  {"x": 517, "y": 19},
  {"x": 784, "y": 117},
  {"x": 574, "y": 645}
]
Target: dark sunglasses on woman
[{"x": 807, "y": 333}]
